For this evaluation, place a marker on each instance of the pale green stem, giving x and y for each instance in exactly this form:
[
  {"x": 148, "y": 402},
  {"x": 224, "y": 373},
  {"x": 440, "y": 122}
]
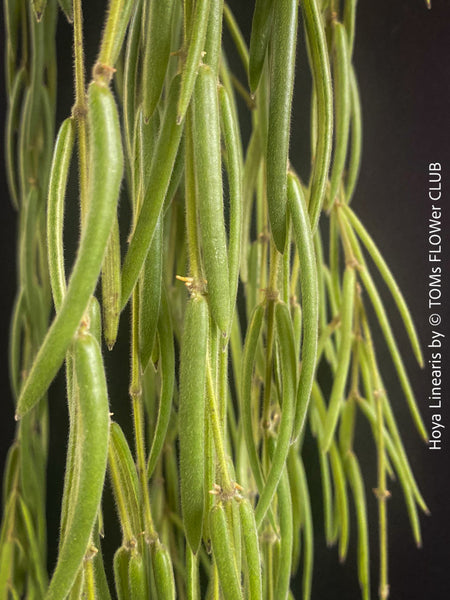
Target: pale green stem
[
  {"x": 381, "y": 492},
  {"x": 138, "y": 418},
  {"x": 79, "y": 110},
  {"x": 214, "y": 417}
]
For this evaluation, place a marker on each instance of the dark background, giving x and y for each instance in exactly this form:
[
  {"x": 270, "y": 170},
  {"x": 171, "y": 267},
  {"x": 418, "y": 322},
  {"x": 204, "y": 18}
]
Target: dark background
[{"x": 402, "y": 63}]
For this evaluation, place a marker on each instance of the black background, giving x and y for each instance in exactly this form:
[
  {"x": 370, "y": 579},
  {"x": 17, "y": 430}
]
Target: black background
[{"x": 402, "y": 64}]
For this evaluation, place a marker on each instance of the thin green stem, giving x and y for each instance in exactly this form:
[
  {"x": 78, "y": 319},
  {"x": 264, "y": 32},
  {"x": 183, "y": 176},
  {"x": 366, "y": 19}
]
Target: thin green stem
[
  {"x": 191, "y": 208},
  {"x": 138, "y": 418},
  {"x": 348, "y": 250},
  {"x": 381, "y": 492},
  {"x": 237, "y": 36},
  {"x": 214, "y": 417},
  {"x": 223, "y": 386},
  {"x": 294, "y": 275},
  {"x": 89, "y": 582},
  {"x": 270, "y": 582},
  {"x": 271, "y": 296},
  {"x": 119, "y": 14},
  {"x": 79, "y": 110},
  {"x": 125, "y": 522}
]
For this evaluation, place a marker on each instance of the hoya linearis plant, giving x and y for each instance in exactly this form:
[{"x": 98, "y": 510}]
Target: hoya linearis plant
[{"x": 241, "y": 278}]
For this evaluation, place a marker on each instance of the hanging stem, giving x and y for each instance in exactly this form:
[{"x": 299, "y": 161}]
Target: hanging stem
[
  {"x": 138, "y": 418},
  {"x": 271, "y": 296},
  {"x": 213, "y": 414},
  {"x": 381, "y": 492},
  {"x": 348, "y": 250},
  {"x": 89, "y": 581},
  {"x": 79, "y": 110},
  {"x": 191, "y": 208},
  {"x": 223, "y": 386}
]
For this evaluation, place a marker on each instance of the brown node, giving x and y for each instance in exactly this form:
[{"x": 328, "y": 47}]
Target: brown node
[
  {"x": 269, "y": 537},
  {"x": 79, "y": 112},
  {"x": 269, "y": 425},
  {"x": 91, "y": 552},
  {"x": 353, "y": 263},
  {"x": 358, "y": 336},
  {"x": 355, "y": 395},
  {"x": 266, "y": 424},
  {"x": 85, "y": 324},
  {"x": 226, "y": 495},
  {"x": 264, "y": 237},
  {"x": 216, "y": 490},
  {"x": 195, "y": 286},
  {"x": 135, "y": 391},
  {"x": 381, "y": 494},
  {"x": 180, "y": 53},
  {"x": 335, "y": 321},
  {"x": 271, "y": 295},
  {"x": 131, "y": 544},
  {"x": 102, "y": 73},
  {"x": 149, "y": 538}
]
